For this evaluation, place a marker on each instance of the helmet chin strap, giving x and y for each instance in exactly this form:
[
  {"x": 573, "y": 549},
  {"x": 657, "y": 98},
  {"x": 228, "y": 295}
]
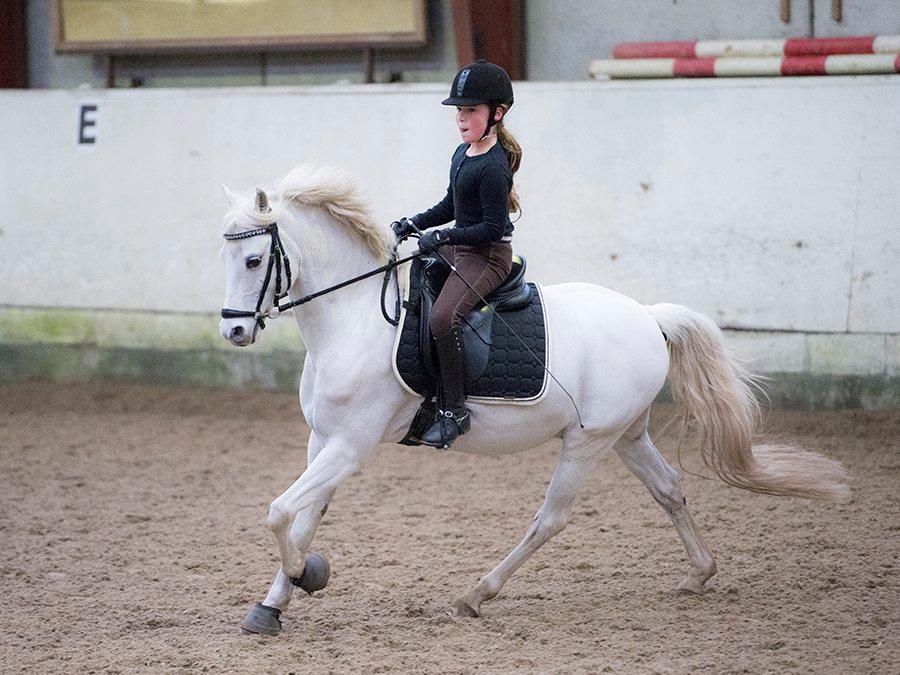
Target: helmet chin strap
[{"x": 491, "y": 121}]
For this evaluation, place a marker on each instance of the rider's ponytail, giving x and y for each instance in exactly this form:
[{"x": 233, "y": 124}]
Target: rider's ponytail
[{"x": 513, "y": 155}]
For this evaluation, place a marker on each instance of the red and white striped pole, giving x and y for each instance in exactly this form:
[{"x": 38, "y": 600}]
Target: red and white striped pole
[
  {"x": 684, "y": 49},
  {"x": 763, "y": 66}
]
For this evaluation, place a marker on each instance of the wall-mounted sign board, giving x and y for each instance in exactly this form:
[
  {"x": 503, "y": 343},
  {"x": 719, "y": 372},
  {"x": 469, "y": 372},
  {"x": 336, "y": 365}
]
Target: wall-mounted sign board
[{"x": 148, "y": 26}]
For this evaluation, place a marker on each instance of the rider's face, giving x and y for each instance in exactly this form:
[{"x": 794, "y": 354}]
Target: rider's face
[{"x": 471, "y": 120}]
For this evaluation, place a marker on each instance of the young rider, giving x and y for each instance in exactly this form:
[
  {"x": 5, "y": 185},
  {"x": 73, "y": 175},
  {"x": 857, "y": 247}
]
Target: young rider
[{"x": 480, "y": 198}]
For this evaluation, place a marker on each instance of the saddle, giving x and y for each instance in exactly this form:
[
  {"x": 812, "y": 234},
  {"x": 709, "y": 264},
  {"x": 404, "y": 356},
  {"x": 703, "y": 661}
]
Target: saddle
[
  {"x": 478, "y": 324},
  {"x": 504, "y": 355}
]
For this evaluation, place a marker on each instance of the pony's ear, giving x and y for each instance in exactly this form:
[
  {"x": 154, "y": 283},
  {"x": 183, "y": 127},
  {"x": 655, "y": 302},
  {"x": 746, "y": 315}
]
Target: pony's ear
[
  {"x": 230, "y": 197},
  {"x": 262, "y": 201}
]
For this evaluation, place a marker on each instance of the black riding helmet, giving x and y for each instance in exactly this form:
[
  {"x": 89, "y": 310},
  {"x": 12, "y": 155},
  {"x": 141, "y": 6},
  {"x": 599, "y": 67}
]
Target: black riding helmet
[{"x": 481, "y": 82}]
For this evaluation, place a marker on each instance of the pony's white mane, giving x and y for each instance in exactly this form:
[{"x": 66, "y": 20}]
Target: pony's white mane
[
  {"x": 326, "y": 187},
  {"x": 330, "y": 188}
]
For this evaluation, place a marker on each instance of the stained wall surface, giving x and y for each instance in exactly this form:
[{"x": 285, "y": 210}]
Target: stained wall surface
[{"x": 770, "y": 205}]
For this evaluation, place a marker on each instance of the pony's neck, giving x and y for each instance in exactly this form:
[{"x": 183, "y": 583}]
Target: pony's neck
[{"x": 330, "y": 253}]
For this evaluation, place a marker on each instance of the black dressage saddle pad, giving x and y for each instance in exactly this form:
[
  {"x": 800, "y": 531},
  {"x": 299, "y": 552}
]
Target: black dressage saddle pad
[{"x": 506, "y": 352}]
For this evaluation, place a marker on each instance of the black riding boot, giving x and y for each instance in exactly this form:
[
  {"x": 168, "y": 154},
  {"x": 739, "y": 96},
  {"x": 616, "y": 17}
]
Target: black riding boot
[{"x": 454, "y": 418}]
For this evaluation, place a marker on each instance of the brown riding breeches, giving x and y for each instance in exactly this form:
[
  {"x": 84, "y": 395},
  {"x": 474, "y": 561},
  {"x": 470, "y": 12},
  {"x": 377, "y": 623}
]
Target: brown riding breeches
[{"x": 485, "y": 267}]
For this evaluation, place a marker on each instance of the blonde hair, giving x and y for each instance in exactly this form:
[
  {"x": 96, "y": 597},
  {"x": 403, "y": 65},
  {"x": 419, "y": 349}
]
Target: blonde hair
[{"x": 513, "y": 155}]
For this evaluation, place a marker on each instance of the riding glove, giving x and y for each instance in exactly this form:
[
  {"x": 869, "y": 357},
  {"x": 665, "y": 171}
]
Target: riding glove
[
  {"x": 403, "y": 228},
  {"x": 431, "y": 241}
]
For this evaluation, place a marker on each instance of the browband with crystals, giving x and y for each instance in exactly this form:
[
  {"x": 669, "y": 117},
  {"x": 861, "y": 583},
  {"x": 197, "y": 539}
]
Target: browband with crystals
[{"x": 248, "y": 234}]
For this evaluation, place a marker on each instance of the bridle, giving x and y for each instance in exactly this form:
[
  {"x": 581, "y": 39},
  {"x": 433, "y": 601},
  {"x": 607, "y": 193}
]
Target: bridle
[{"x": 278, "y": 261}]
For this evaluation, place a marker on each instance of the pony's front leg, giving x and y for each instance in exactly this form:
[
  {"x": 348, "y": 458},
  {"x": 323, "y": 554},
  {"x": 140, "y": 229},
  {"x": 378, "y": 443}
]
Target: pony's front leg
[
  {"x": 304, "y": 529},
  {"x": 338, "y": 460},
  {"x": 293, "y": 519},
  {"x": 264, "y": 617}
]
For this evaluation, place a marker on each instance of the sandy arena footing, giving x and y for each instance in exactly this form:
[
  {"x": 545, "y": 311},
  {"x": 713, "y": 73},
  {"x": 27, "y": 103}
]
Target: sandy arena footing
[{"x": 133, "y": 523}]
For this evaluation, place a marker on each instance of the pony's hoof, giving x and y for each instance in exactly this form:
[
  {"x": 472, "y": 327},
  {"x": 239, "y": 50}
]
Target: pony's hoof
[
  {"x": 262, "y": 620},
  {"x": 690, "y": 585},
  {"x": 315, "y": 574},
  {"x": 466, "y": 610},
  {"x": 693, "y": 583}
]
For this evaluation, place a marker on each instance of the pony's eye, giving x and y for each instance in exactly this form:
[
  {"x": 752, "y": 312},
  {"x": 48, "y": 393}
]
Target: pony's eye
[{"x": 253, "y": 261}]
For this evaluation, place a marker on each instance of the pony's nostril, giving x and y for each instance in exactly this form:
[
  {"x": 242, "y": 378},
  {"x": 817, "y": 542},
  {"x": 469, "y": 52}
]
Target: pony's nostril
[{"x": 237, "y": 331}]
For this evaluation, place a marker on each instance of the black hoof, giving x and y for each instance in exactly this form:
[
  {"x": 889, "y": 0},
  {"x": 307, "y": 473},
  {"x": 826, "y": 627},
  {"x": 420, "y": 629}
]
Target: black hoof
[
  {"x": 262, "y": 620},
  {"x": 315, "y": 574}
]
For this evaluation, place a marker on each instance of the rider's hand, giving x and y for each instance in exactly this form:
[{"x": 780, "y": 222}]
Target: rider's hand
[
  {"x": 431, "y": 241},
  {"x": 403, "y": 228}
]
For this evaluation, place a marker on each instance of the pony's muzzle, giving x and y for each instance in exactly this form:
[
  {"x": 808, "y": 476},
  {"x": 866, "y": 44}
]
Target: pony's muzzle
[{"x": 238, "y": 334}]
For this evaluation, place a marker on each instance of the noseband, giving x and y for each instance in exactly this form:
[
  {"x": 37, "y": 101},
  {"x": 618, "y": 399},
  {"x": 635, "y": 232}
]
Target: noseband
[{"x": 278, "y": 261}]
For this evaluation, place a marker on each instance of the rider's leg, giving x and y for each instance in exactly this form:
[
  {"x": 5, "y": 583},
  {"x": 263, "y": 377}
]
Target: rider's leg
[
  {"x": 454, "y": 416},
  {"x": 479, "y": 270}
]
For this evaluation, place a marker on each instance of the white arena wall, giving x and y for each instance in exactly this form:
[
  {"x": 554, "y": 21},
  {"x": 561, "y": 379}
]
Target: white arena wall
[{"x": 770, "y": 204}]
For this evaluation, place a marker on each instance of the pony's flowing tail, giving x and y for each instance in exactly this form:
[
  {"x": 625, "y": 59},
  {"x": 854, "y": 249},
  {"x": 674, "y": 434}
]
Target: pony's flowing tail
[{"x": 714, "y": 393}]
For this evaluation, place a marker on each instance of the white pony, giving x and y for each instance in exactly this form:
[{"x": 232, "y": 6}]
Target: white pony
[{"x": 611, "y": 353}]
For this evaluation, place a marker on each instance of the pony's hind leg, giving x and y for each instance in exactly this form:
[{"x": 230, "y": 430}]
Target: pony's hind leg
[
  {"x": 643, "y": 459},
  {"x": 579, "y": 456}
]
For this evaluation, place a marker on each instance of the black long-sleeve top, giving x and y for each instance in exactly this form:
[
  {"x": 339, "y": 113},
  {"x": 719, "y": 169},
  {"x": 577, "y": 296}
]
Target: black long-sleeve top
[{"x": 477, "y": 198}]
